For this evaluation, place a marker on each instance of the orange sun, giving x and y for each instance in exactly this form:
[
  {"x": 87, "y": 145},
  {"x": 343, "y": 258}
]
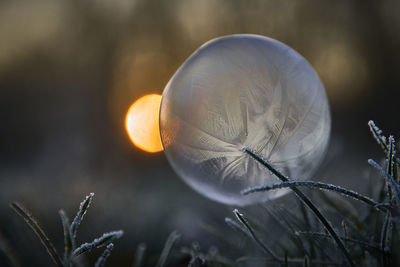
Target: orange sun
[{"x": 142, "y": 123}]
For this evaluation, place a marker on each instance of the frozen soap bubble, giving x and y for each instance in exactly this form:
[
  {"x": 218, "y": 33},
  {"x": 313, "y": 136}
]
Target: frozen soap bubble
[{"x": 243, "y": 90}]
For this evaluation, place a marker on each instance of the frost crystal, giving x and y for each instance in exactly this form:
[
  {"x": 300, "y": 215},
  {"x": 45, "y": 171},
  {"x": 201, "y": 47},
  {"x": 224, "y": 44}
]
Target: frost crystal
[{"x": 243, "y": 91}]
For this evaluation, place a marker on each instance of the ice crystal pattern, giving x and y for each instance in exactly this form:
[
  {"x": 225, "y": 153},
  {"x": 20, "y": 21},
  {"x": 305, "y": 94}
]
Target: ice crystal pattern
[{"x": 243, "y": 91}]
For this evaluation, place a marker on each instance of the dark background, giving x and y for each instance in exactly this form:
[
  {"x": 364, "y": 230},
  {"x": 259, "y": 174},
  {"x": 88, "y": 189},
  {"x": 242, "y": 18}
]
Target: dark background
[{"x": 69, "y": 70}]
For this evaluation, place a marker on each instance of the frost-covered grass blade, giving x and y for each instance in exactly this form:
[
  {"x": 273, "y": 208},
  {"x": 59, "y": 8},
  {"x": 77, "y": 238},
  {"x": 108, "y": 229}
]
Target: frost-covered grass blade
[
  {"x": 313, "y": 184},
  {"x": 68, "y": 239},
  {"x": 83, "y": 207},
  {"x": 389, "y": 179},
  {"x": 31, "y": 221},
  {"x": 377, "y": 134},
  {"x": 102, "y": 241},
  {"x": 101, "y": 261},
  {"x": 380, "y": 138}
]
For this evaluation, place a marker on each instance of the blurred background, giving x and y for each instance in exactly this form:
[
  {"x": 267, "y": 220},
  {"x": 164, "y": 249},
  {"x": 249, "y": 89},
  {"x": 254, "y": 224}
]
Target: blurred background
[{"x": 69, "y": 70}]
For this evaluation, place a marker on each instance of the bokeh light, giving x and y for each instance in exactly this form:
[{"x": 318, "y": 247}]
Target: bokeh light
[{"x": 142, "y": 123}]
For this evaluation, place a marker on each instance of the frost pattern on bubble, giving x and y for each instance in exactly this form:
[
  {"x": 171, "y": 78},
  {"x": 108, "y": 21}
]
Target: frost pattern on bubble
[{"x": 243, "y": 90}]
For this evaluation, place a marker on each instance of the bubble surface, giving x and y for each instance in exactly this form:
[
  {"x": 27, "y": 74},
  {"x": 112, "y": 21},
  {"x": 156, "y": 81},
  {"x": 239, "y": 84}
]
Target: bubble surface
[{"x": 243, "y": 90}]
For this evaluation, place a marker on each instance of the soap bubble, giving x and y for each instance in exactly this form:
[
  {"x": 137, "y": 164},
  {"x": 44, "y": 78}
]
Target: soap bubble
[{"x": 243, "y": 91}]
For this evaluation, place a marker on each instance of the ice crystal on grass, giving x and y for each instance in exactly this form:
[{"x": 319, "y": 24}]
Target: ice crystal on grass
[
  {"x": 102, "y": 241},
  {"x": 101, "y": 261},
  {"x": 70, "y": 249},
  {"x": 83, "y": 207}
]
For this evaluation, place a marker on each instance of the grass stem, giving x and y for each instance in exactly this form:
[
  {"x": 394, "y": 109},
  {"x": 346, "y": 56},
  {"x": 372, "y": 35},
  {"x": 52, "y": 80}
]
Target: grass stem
[{"x": 26, "y": 215}]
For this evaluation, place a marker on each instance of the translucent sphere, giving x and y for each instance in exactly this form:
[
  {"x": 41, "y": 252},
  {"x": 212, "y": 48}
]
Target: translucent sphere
[{"x": 243, "y": 90}]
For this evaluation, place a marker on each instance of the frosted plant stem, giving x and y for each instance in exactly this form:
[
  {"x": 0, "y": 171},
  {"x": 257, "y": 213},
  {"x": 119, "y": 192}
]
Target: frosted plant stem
[
  {"x": 380, "y": 139},
  {"x": 306, "y": 201},
  {"x": 38, "y": 231},
  {"x": 102, "y": 241},
  {"x": 319, "y": 185},
  {"x": 83, "y": 207},
  {"x": 389, "y": 179}
]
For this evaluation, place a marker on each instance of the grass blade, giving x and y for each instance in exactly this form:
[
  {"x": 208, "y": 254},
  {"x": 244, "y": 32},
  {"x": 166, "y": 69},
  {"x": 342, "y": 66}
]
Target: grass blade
[
  {"x": 306, "y": 261},
  {"x": 252, "y": 234},
  {"x": 26, "y": 215},
  {"x": 8, "y": 252},
  {"x": 312, "y": 184},
  {"x": 390, "y": 164},
  {"x": 362, "y": 244},
  {"x": 139, "y": 255},
  {"x": 172, "y": 239},
  {"x": 389, "y": 179},
  {"x": 391, "y": 156},
  {"x": 236, "y": 227},
  {"x": 386, "y": 231},
  {"x": 377, "y": 134},
  {"x": 83, "y": 207},
  {"x": 344, "y": 227},
  {"x": 288, "y": 221},
  {"x": 68, "y": 240},
  {"x": 306, "y": 201},
  {"x": 101, "y": 261},
  {"x": 380, "y": 139},
  {"x": 295, "y": 261},
  {"x": 102, "y": 241}
]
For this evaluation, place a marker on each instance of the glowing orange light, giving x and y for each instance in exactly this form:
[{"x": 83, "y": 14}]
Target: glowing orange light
[{"x": 142, "y": 123}]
